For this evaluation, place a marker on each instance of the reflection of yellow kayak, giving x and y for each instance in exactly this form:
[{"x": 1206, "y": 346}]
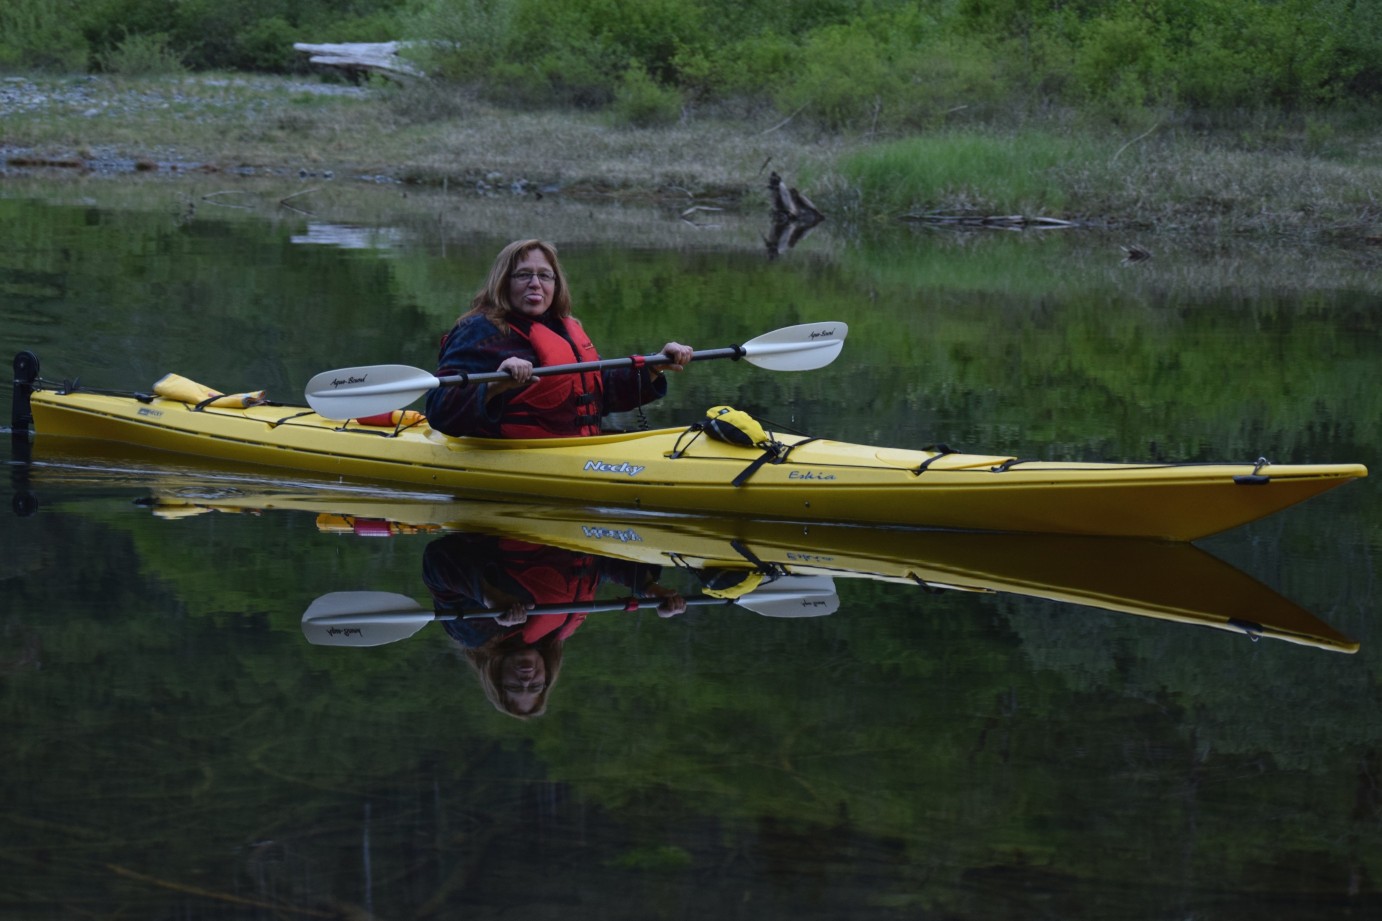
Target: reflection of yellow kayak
[
  {"x": 669, "y": 470},
  {"x": 1165, "y": 580}
]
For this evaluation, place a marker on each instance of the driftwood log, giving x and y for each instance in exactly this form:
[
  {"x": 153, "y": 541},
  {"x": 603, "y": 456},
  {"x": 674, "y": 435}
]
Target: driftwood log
[
  {"x": 794, "y": 216},
  {"x": 357, "y": 59},
  {"x": 991, "y": 220},
  {"x": 790, "y": 204},
  {"x": 1135, "y": 253}
]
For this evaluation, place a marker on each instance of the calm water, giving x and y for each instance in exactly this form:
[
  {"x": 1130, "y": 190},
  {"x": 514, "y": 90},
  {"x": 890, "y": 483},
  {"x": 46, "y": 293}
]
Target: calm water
[{"x": 177, "y": 744}]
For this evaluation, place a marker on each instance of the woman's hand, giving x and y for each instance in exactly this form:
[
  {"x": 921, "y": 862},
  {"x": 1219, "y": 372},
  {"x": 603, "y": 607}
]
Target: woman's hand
[
  {"x": 520, "y": 372},
  {"x": 512, "y": 610},
  {"x": 515, "y": 615},
  {"x": 671, "y": 606},
  {"x": 520, "y": 369},
  {"x": 670, "y": 601},
  {"x": 680, "y": 355}
]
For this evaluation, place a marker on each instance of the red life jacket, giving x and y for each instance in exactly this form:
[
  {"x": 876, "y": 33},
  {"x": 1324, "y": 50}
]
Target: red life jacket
[
  {"x": 562, "y": 405},
  {"x": 551, "y": 576}
]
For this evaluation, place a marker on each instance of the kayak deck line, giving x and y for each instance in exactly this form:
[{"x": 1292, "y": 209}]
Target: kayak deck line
[{"x": 807, "y": 478}]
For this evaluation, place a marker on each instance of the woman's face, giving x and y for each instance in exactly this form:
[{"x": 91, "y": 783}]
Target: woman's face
[
  {"x": 523, "y": 678},
  {"x": 532, "y": 283}
]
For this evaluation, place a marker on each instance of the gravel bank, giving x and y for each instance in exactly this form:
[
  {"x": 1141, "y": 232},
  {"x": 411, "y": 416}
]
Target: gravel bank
[{"x": 93, "y": 102}]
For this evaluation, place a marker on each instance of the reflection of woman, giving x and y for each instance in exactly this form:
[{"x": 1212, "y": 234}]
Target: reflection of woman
[{"x": 517, "y": 655}]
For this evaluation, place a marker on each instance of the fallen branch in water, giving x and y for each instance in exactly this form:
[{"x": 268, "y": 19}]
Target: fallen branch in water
[
  {"x": 794, "y": 216},
  {"x": 283, "y": 202},
  {"x": 1003, "y": 220},
  {"x": 210, "y": 199}
]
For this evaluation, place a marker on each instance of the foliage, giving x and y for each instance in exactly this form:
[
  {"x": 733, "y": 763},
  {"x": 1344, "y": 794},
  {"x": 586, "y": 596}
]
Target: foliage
[
  {"x": 268, "y": 45},
  {"x": 895, "y": 71},
  {"x": 249, "y": 35},
  {"x": 41, "y": 35},
  {"x": 143, "y": 54},
  {"x": 641, "y": 102},
  {"x": 464, "y": 36},
  {"x": 1281, "y": 53},
  {"x": 742, "y": 67},
  {"x": 1359, "y": 32},
  {"x": 875, "y": 65},
  {"x": 1121, "y": 63}
]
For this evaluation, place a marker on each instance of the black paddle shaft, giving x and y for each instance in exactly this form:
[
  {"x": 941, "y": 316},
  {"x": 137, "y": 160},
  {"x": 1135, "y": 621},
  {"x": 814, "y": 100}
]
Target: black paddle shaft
[{"x": 458, "y": 380}]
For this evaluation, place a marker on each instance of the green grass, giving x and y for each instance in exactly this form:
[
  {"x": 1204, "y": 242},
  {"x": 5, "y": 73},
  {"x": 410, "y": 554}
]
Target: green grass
[
  {"x": 1304, "y": 177},
  {"x": 1162, "y": 180},
  {"x": 1018, "y": 173}
]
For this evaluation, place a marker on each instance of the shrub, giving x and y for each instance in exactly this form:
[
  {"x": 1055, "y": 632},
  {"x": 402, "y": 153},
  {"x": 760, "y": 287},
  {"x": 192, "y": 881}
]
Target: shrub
[
  {"x": 465, "y": 36},
  {"x": 845, "y": 79},
  {"x": 580, "y": 52},
  {"x": 640, "y": 101},
  {"x": 142, "y": 55},
  {"x": 650, "y": 32},
  {"x": 268, "y": 45},
  {"x": 582, "y": 78},
  {"x": 748, "y": 66},
  {"x": 1239, "y": 56},
  {"x": 1360, "y": 48},
  {"x": 892, "y": 72},
  {"x": 1121, "y": 64},
  {"x": 42, "y": 35}
]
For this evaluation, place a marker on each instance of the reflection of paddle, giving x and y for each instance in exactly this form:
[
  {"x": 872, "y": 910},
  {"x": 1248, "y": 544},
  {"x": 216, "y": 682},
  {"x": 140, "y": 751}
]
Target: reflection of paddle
[
  {"x": 350, "y": 393},
  {"x": 377, "y": 618}
]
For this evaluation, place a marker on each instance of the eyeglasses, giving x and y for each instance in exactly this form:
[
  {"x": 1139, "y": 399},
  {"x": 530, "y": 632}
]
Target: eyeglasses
[{"x": 524, "y": 277}]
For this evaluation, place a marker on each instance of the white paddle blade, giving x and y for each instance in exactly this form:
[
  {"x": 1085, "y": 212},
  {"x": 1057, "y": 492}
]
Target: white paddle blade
[
  {"x": 793, "y": 596},
  {"x": 805, "y": 347},
  {"x": 363, "y": 619},
  {"x": 349, "y": 393}
]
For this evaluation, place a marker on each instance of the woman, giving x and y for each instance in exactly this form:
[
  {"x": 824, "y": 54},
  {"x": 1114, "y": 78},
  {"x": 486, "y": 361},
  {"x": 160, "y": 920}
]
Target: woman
[
  {"x": 517, "y": 656},
  {"x": 521, "y": 319}
]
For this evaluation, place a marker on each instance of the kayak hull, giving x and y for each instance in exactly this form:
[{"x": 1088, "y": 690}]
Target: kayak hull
[{"x": 676, "y": 470}]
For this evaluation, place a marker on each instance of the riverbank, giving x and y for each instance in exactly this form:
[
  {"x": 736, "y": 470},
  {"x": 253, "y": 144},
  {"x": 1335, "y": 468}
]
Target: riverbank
[
  {"x": 268, "y": 126},
  {"x": 1315, "y": 182}
]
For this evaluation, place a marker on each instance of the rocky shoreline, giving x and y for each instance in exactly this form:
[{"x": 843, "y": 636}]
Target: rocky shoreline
[
  {"x": 211, "y": 112},
  {"x": 96, "y": 98}
]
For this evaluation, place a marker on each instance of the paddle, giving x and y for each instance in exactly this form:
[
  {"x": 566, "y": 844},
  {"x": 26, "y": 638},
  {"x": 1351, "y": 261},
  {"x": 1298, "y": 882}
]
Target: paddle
[
  {"x": 352, "y": 393},
  {"x": 377, "y": 618}
]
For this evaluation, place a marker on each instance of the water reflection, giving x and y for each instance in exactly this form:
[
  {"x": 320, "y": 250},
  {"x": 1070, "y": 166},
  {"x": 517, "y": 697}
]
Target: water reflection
[
  {"x": 510, "y": 605},
  {"x": 184, "y": 752},
  {"x": 887, "y": 745},
  {"x": 533, "y": 596},
  {"x": 501, "y": 557},
  {"x": 349, "y": 236}
]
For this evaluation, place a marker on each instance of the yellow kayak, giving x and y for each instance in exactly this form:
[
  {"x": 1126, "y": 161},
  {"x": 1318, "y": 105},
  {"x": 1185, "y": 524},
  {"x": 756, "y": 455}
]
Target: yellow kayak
[
  {"x": 1158, "y": 579},
  {"x": 686, "y": 471}
]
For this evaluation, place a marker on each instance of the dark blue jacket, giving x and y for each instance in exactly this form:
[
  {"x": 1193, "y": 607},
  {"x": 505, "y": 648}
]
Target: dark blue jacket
[{"x": 475, "y": 345}]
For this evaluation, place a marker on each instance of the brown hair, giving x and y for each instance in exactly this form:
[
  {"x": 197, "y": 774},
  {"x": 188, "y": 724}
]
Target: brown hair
[
  {"x": 488, "y": 661},
  {"x": 492, "y": 300}
]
